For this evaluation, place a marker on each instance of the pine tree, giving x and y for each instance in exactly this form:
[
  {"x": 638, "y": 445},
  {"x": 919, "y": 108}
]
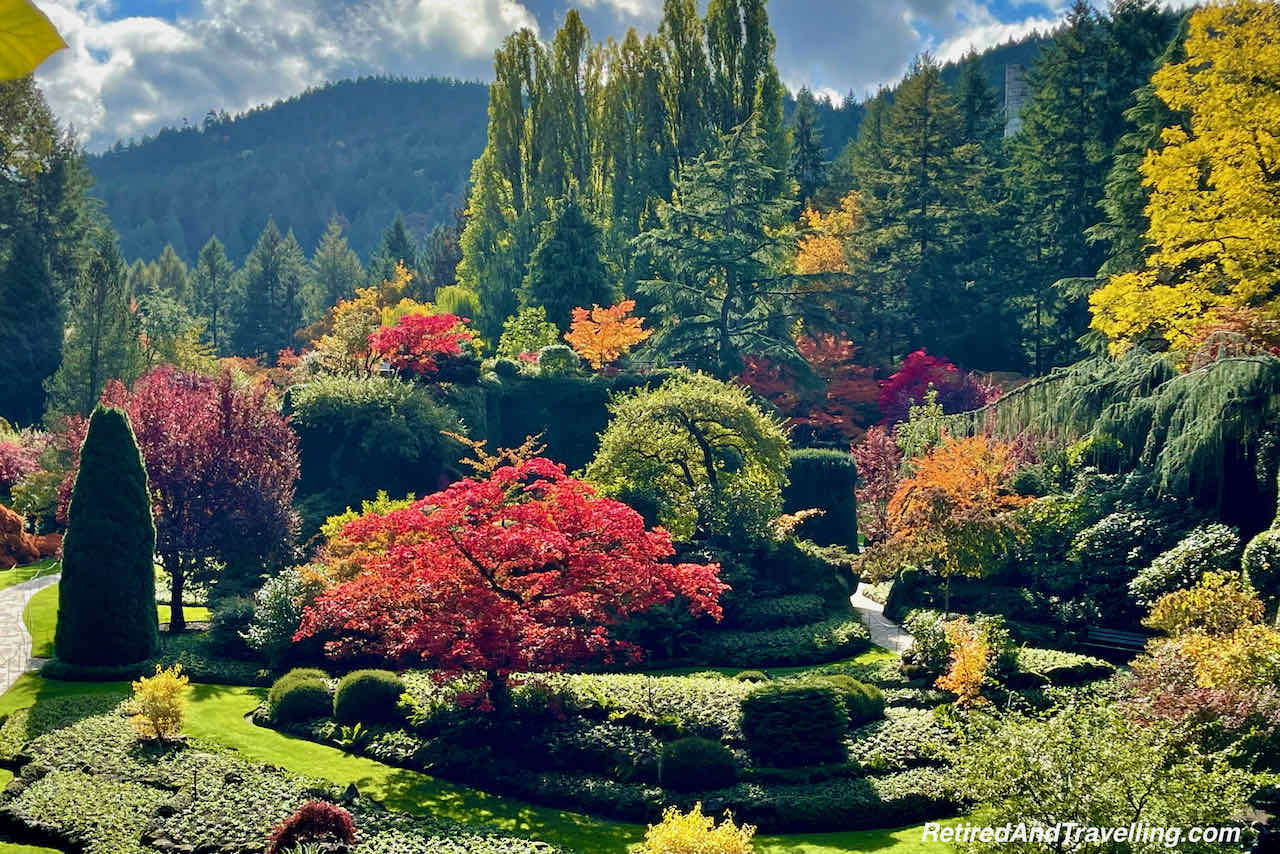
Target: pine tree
[
  {"x": 213, "y": 294},
  {"x": 441, "y": 253},
  {"x": 565, "y": 271},
  {"x": 102, "y": 333},
  {"x": 271, "y": 285},
  {"x": 397, "y": 247},
  {"x": 171, "y": 275},
  {"x": 106, "y": 598},
  {"x": 976, "y": 98},
  {"x": 808, "y": 158},
  {"x": 335, "y": 274}
]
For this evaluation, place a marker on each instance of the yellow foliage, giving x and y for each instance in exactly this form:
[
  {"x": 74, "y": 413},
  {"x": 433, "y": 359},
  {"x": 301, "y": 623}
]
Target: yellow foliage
[
  {"x": 970, "y": 660},
  {"x": 1220, "y": 604},
  {"x": 602, "y": 335},
  {"x": 1214, "y": 209},
  {"x": 157, "y": 705},
  {"x": 823, "y": 251},
  {"x": 1249, "y": 655},
  {"x": 343, "y": 348},
  {"x": 695, "y": 833}
]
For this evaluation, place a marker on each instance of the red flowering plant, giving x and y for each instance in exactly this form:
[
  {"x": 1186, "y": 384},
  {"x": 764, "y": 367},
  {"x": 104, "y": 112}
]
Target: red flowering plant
[
  {"x": 419, "y": 343},
  {"x": 958, "y": 391},
  {"x": 526, "y": 570}
]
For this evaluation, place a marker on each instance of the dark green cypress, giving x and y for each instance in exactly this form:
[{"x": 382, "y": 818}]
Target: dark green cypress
[
  {"x": 106, "y": 599},
  {"x": 566, "y": 270}
]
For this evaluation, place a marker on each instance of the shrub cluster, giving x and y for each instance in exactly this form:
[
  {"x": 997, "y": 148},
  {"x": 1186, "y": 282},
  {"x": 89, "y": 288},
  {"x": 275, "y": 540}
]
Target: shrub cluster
[
  {"x": 697, "y": 764},
  {"x": 300, "y": 695},
  {"x": 795, "y": 723},
  {"x": 367, "y": 697},
  {"x": 824, "y": 480},
  {"x": 825, "y": 641}
]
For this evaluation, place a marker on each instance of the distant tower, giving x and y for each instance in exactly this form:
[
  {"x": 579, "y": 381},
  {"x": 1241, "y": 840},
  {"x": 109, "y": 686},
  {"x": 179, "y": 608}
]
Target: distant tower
[{"x": 1016, "y": 95}]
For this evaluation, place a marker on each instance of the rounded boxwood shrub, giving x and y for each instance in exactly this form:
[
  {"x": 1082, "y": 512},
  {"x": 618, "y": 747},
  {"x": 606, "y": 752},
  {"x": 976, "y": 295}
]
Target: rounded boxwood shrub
[
  {"x": 795, "y": 723},
  {"x": 752, "y": 676},
  {"x": 558, "y": 360},
  {"x": 300, "y": 695},
  {"x": 863, "y": 703},
  {"x": 367, "y": 697},
  {"x": 697, "y": 764},
  {"x": 1261, "y": 562}
]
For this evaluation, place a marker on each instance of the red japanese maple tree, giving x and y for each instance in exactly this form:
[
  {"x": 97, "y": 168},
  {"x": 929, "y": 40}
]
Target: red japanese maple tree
[
  {"x": 957, "y": 391},
  {"x": 525, "y": 571},
  {"x": 418, "y": 342},
  {"x": 221, "y": 463}
]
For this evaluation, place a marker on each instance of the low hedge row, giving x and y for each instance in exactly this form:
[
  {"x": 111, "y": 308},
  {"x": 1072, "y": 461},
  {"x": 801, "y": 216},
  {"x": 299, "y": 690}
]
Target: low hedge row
[
  {"x": 796, "y": 609},
  {"x": 1055, "y": 667},
  {"x": 827, "y": 640}
]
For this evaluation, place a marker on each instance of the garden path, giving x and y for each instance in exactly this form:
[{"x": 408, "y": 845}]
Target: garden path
[
  {"x": 15, "y": 641},
  {"x": 884, "y": 632}
]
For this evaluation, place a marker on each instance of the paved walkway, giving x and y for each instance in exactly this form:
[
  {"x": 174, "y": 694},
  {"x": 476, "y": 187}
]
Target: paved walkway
[
  {"x": 15, "y": 643},
  {"x": 884, "y": 632}
]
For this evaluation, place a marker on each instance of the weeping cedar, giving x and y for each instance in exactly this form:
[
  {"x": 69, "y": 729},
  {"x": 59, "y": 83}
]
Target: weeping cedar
[{"x": 1207, "y": 434}]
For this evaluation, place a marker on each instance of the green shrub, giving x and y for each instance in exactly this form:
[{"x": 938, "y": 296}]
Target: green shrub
[
  {"x": 300, "y": 695},
  {"x": 790, "y": 724},
  {"x": 824, "y": 480},
  {"x": 367, "y": 697},
  {"x": 796, "y": 609},
  {"x": 863, "y": 703},
  {"x": 277, "y": 614},
  {"x": 697, "y": 764},
  {"x": 1059, "y": 668},
  {"x": 526, "y": 331},
  {"x": 1207, "y": 548},
  {"x": 106, "y": 599},
  {"x": 752, "y": 676},
  {"x": 230, "y": 621},
  {"x": 1261, "y": 562},
  {"x": 558, "y": 360},
  {"x": 829, "y": 640}
]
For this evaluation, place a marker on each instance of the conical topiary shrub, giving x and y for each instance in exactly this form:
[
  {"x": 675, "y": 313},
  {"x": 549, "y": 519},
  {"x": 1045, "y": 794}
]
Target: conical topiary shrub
[{"x": 107, "y": 597}]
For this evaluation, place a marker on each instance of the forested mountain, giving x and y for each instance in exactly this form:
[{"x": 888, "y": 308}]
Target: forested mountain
[{"x": 363, "y": 150}]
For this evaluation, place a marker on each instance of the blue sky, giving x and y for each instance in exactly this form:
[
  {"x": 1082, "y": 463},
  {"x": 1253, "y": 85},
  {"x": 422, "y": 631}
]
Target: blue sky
[{"x": 136, "y": 65}]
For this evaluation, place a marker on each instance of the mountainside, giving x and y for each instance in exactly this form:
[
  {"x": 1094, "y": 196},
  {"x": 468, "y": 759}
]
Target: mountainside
[{"x": 362, "y": 149}]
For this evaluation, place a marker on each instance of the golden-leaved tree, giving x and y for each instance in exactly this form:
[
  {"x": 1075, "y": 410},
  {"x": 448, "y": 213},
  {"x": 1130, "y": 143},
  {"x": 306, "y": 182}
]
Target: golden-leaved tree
[{"x": 1214, "y": 210}]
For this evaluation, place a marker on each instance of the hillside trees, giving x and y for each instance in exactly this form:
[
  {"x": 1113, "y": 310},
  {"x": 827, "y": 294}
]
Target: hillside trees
[
  {"x": 213, "y": 292},
  {"x": 272, "y": 282},
  {"x": 335, "y": 274}
]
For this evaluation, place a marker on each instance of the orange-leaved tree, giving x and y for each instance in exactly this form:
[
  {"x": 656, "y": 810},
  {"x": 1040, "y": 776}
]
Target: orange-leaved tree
[
  {"x": 954, "y": 515},
  {"x": 971, "y": 657},
  {"x": 602, "y": 335}
]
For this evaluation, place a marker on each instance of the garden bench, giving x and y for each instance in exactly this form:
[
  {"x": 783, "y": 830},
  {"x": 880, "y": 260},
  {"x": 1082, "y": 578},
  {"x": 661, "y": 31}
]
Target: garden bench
[{"x": 1115, "y": 639}]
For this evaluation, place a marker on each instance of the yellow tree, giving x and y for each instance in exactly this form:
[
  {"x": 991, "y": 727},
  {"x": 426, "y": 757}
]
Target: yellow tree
[
  {"x": 821, "y": 252},
  {"x": 1214, "y": 209},
  {"x": 602, "y": 335},
  {"x": 343, "y": 345}
]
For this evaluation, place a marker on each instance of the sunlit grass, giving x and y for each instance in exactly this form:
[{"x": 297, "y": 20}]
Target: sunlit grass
[{"x": 41, "y": 617}]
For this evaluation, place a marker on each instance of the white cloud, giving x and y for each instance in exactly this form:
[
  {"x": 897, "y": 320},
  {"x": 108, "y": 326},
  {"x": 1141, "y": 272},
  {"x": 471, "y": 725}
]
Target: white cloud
[{"x": 128, "y": 76}]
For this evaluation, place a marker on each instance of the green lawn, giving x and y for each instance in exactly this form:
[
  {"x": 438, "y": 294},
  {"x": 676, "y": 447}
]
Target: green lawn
[
  {"x": 19, "y": 574},
  {"x": 41, "y": 617}
]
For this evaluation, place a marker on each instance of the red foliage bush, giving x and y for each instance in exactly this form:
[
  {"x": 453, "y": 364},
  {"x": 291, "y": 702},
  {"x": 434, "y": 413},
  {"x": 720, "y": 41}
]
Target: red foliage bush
[
  {"x": 957, "y": 391},
  {"x": 417, "y": 341},
  {"x": 17, "y": 547},
  {"x": 315, "y": 821},
  {"x": 16, "y": 462}
]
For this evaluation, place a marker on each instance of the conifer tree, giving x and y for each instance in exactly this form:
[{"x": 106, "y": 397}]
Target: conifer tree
[
  {"x": 335, "y": 274},
  {"x": 171, "y": 275},
  {"x": 213, "y": 294},
  {"x": 808, "y": 157},
  {"x": 102, "y": 333},
  {"x": 106, "y": 598},
  {"x": 565, "y": 271},
  {"x": 271, "y": 286},
  {"x": 397, "y": 247}
]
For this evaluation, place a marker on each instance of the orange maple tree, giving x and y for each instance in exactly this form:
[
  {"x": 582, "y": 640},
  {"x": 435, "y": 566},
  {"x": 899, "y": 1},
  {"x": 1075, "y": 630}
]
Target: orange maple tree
[
  {"x": 602, "y": 335},
  {"x": 970, "y": 660}
]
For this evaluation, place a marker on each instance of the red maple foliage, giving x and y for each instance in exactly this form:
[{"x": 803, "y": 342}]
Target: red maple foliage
[
  {"x": 314, "y": 821},
  {"x": 417, "y": 342},
  {"x": 221, "y": 463},
  {"x": 957, "y": 391},
  {"x": 526, "y": 570},
  {"x": 834, "y": 406},
  {"x": 16, "y": 462},
  {"x": 879, "y": 464}
]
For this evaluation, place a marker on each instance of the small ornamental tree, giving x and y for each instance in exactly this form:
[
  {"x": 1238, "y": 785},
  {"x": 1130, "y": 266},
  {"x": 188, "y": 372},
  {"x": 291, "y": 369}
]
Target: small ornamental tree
[
  {"x": 957, "y": 390},
  {"x": 604, "y": 335},
  {"x": 419, "y": 343},
  {"x": 106, "y": 599},
  {"x": 157, "y": 705},
  {"x": 879, "y": 463},
  {"x": 528, "y": 569},
  {"x": 222, "y": 463},
  {"x": 526, "y": 332},
  {"x": 953, "y": 516}
]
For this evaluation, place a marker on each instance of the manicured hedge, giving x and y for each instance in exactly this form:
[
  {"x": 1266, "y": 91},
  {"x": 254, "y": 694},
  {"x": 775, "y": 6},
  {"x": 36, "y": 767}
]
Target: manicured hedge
[
  {"x": 697, "y": 764},
  {"x": 1038, "y": 666},
  {"x": 828, "y": 640},
  {"x": 367, "y": 697},
  {"x": 791, "y": 724},
  {"x": 777, "y": 612},
  {"x": 824, "y": 480},
  {"x": 862, "y": 702}
]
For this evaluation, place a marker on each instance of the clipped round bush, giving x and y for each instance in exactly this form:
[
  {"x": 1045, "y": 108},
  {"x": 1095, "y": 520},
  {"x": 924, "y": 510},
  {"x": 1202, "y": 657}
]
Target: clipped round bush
[
  {"x": 788, "y": 724},
  {"x": 752, "y": 676},
  {"x": 367, "y": 697},
  {"x": 300, "y": 695},
  {"x": 1261, "y": 562},
  {"x": 558, "y": 360},
  {"x": 314, "y": 821},
  {"x": 863, "y": 703},
  {"x": 506, "y": 368},
  {"x": 697, "y": 764},
  {"x": 1207, "y": 548}
]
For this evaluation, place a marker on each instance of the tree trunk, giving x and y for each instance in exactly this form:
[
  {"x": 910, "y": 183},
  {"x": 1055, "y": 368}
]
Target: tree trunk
[
  {"x": 177, "y": 583},
  {"x": 499, "y": 695}
]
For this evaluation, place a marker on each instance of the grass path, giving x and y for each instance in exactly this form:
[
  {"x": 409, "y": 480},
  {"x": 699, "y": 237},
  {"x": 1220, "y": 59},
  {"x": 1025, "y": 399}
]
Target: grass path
[{"x": 19, "y": 574}]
